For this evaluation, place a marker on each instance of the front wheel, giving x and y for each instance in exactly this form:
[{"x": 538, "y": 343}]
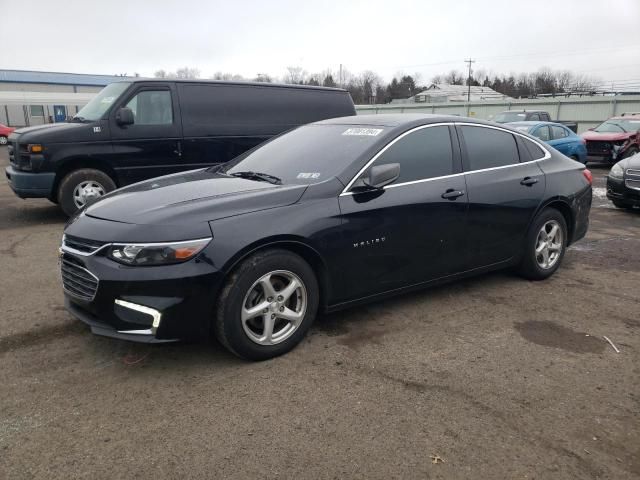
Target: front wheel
[
  {"x": 545, "y": 245},
  {"x": 267, "y": 305},
  {"x": 82, "y": 187},
  {"x": 3, "y": 140}
]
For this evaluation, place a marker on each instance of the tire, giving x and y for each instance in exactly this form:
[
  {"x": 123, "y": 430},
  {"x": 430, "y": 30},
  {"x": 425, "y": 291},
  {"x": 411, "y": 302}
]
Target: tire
[
  {"x": 244, "y": 333},
  {"x": 531, "y": 265},
  {"x": 98, "y": 182},
  {"x": 3, "y": 140}
]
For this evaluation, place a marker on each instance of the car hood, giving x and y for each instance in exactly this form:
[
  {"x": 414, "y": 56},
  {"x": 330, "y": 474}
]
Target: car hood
[
  {"x": 606, "y": 137},
  {"x": 55, "y": 133},
  {"x": 631, "y": 162},
  {"x": 191, "y": 197}
]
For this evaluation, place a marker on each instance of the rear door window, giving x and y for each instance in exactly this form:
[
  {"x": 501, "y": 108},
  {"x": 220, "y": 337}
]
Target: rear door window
[
  {"x": 488, "y": 148},
  {"x": 422, "y": 154}
]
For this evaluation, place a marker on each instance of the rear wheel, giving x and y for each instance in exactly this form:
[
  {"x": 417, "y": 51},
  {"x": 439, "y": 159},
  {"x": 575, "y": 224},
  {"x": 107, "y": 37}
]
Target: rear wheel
[
  {"x": 82, "y": 187},
  {"x": 545, "y": 245},
  {"x": 267, "y": 305}
]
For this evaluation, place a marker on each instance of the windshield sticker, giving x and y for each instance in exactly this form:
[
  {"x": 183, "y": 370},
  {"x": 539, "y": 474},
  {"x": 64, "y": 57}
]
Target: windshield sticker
[
  {"x": 368, "y": 132},
  {"x": 108, "y": 100},
  {"x": 308, "y": 175}
]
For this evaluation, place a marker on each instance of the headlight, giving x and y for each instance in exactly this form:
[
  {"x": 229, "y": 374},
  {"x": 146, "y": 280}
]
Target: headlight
[
  {"x": 616, "y": 171},
  {"x": 156, "y": 253}
]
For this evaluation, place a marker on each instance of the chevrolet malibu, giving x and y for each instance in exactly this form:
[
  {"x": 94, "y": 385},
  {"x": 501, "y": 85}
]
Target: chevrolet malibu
[{"x": 327, "y": 216}]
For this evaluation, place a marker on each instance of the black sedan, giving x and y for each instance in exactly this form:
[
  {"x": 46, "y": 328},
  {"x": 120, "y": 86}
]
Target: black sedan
[
  {"x": 623, "y": 183},
  {"x": 324, "y": 217}
]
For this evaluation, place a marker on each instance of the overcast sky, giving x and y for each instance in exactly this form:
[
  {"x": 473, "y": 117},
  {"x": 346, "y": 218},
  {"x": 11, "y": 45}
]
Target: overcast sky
[{"x": 593, "y": 37}]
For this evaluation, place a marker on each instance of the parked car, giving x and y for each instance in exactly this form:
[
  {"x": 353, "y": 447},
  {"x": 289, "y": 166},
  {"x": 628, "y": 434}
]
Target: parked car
[
  {"x": 558, "y": 136},
  {"x": 327, "y": 216},
  {"x": 511, "y": 116},
  {"x": 614, "y": 139},
  {"x": 623, "y": 183},
  {"x": 4, "y": 133},
  {"x": 135, "y": 130}
]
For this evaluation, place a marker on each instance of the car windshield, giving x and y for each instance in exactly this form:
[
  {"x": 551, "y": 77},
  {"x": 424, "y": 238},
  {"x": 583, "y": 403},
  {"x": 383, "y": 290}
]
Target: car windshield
[
  {"x": 308, "y": 154},
  {"x": 506, "y": 117},
  {"x": 96, "y": 108},
  {"x": 618, "y": 126}
]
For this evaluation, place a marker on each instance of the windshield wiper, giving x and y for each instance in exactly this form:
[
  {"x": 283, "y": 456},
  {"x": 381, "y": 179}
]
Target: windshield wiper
[{"x": 263, "y": 177}]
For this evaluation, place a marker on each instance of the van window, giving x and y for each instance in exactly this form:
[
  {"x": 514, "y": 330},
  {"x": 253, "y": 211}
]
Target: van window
[
  {"x": 219, "y": 109},
  {"x": 152, "y": 107},
  {"x": 425, "y": 153},
  {"x": 488, "y": 148}
]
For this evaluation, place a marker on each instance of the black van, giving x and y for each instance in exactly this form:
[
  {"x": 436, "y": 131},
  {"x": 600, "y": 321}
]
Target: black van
[{"x": 140, "y": 129}]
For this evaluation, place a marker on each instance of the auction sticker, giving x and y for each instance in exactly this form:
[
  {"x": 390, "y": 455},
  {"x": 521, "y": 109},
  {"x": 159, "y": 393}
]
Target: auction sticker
[{"x": 366, "y": 132}]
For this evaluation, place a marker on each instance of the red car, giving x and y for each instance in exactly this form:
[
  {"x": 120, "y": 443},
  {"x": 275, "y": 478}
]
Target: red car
[
  {"x": 4, "y": 133},
  {"x": 614, "y": 139}
]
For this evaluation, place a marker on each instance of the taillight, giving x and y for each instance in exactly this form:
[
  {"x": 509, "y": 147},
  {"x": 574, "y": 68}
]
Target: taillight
[{"x": 587, "y": 174}]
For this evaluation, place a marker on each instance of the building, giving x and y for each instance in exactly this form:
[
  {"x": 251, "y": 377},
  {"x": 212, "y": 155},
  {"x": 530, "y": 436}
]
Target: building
[
  {"x": 444, "y": 92},
  {"x": 33, "y": 98}
]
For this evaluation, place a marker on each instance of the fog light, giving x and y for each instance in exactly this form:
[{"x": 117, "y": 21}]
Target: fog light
[{"x": 35, "y": 148}]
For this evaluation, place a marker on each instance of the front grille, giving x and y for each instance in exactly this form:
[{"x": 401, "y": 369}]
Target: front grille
[
  {"x": 596, "y": 147},
  {"x": 81, "y": 244},
  {"x": 18, "y": 156},
  {"x": 12, "y": 149},
  {"x": 634, "y": 184},
  {"x": 77, "y": 280},
  {"x": 633, "y": 173}
]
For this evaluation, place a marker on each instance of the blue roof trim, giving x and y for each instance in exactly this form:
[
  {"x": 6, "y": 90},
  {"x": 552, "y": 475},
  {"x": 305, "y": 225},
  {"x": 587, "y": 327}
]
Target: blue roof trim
[{"x": 82, "y": 79}]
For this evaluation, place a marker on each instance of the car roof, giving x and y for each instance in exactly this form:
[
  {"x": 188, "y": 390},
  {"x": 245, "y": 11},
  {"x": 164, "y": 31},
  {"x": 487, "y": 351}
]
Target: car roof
[
  {"x": 231, "y": 82},
  {"x": 626, "y": 117},
  {"x": 534, "y": 123},
  {"x": 398, "y": 120}
]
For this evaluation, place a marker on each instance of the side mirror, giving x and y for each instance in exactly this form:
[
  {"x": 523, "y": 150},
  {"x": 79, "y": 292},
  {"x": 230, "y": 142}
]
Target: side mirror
[
  {"x": 381, "y": 175},
  {"x": 124, "y": 116},
  {"x": 591, "y": 129}
]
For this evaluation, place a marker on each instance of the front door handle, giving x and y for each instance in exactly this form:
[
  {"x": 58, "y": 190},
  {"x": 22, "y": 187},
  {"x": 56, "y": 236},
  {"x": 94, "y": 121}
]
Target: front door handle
[
  {"x": 178, "y": 150},
  {"x": 452, "y": 194},
  {"x": 528, "y": 181}
]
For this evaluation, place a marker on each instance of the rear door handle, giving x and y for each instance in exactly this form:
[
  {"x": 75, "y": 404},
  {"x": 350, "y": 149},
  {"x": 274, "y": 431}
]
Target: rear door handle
[
  {"x": 528, "y": 181},
  {"x": 452, "y": 194}
]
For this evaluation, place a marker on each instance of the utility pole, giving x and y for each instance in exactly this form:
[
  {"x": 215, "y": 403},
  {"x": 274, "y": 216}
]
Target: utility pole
[
  {"x": 340, "y": 77},
  {"x": 470, "y": 61}
]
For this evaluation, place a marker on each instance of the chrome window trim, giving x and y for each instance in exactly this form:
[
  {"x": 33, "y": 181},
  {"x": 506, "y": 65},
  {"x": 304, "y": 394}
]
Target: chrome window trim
[{"x": 546, "y": 156}]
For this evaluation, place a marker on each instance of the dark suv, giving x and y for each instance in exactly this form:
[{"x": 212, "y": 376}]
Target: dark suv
[{"x": 136, "y": 130}]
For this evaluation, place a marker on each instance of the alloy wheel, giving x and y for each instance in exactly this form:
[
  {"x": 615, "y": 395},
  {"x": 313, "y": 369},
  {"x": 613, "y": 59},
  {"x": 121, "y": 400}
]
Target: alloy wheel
[
  {"x": 274, "y": 307},
  {"x": 3, "y": 140},
  {"x": 87, "y": 191},
  {"x": 549, "y": 244}
]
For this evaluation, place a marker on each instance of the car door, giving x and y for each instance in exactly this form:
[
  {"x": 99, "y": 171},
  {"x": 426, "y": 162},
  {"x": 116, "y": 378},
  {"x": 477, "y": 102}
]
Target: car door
[
  {"x": 560, "y": 139},
  {"x": 152, "y": 146},
  {"x": 411, "y": 230},
  {"x": 503, "y": 192}
]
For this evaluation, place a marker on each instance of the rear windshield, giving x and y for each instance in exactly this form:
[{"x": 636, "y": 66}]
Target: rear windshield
[
  {"x": 506, "y": 117},
  {"x": 619, "y": 126},
  {"x": 308, "y": 154},
  {"x": 97, "y": 107}
]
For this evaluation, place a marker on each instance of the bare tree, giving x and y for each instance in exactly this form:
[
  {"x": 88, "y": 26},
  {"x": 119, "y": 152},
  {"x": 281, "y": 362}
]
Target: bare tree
[{"x": 295, "y": 75}]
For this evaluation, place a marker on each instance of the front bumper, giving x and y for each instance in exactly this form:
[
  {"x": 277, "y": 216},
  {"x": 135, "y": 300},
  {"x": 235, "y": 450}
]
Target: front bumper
[
  {"x": 30, "y": 185},
  {"x": 620, "y": 191},
  {"x": 143, "y": 304}
]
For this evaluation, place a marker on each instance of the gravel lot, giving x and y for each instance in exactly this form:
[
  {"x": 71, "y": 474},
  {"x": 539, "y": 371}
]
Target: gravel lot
[{"x": 496, "y": 376}]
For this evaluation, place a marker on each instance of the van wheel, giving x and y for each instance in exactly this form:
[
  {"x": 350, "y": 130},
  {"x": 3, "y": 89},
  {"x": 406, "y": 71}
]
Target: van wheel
[
  {"x": 267, "y": 305},
  {"x": 544, "y": 246},
  {"x": 82, "y": 187}
]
